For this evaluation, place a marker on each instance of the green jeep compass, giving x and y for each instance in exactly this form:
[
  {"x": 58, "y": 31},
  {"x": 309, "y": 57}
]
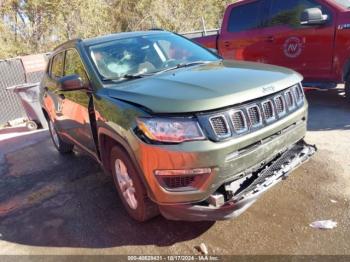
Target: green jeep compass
[{"x": 183, "y": 132}]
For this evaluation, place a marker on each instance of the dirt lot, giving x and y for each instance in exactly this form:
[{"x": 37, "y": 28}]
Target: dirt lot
[{"x": 52, "y": 204}]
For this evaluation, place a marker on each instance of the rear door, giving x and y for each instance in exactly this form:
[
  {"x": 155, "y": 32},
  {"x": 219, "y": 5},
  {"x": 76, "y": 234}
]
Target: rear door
[
  {"x": 241, "y": 37},
  {"x": 306, "y": 49}
]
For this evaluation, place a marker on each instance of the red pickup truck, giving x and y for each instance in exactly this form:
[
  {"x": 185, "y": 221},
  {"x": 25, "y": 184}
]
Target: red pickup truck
[{"x": 309, "y": 36}]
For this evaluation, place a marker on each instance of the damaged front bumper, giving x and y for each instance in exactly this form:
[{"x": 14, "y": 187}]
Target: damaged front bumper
[{"x": 233, "y": 198}]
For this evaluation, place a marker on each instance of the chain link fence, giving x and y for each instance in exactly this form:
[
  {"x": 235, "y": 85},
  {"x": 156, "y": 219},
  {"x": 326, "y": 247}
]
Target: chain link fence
[{"x": 14, "y": 72}]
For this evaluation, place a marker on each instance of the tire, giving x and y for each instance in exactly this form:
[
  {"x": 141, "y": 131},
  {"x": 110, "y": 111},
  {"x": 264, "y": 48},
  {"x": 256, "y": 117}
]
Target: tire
[
  {"x": 347, "y": 91},
  {"x": 62, "y": 146},
  {"x": 130, "y": 188},
  {"x": 31, "y": 125}
]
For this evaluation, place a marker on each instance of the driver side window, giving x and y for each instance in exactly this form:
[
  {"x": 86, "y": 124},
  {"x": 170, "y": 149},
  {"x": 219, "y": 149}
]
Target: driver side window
[
  {"x": 288, "y": 12},
  {"x": 74, "y": 66},
  {"x": 57, "y": 66}
]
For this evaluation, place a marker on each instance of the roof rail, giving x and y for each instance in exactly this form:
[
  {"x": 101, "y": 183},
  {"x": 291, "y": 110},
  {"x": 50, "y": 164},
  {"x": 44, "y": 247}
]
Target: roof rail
[
  {"x": 76, "y": 40},
  {"x": 156, "y": 29}
]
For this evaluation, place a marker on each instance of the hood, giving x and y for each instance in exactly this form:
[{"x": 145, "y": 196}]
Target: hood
[{"x": 204, "y": 87}]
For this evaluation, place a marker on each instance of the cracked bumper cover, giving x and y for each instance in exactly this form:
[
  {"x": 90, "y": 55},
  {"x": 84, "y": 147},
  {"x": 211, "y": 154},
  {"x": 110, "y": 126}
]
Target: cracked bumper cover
[{"x": 270, "y": 175}]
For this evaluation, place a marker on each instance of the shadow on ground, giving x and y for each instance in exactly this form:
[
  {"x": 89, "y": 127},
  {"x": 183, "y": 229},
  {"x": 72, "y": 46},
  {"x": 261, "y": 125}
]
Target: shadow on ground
[
  {"x": 66, "y": 201},
  {"x": 328, "y": 110}
]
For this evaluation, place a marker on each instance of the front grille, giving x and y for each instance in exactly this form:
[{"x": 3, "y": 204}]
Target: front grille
[
  {"x": 268, "y": 110},
  {"x": 280, "y": 107},
  {"x": 298, "y": 93},
  {"x": 178, "y": 181},
  {"x": 254, "y": 116},
  {"x": 220, "y": 126},
  {"x": 239, "y": 122},
  {"x": 289, "y": 99}
]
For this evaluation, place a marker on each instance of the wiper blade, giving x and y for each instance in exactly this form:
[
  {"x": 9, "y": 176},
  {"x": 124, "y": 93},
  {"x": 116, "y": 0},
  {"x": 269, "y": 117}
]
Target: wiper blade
[
  {"x": 192, "y": 63},
  {"x": 131, "y": 76},
  {"x": 127, "y": 77},
  {"x": 181, "y": 65},
  {"x": 137, "y": 76}
]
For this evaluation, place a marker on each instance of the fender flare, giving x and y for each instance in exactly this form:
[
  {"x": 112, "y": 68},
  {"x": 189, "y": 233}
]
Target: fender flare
[{"x": 119, "y": 141}]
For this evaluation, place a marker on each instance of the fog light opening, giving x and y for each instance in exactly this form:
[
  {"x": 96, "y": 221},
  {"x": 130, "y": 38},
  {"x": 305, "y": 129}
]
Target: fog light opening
[{"x": 183, "y": 179}]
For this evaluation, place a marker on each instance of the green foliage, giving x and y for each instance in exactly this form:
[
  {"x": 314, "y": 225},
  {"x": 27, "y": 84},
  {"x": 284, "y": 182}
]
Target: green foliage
[{"x": 33, "y": 26}]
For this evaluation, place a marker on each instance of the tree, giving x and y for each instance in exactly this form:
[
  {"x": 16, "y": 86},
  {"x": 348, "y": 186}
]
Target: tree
[{"x": 33, "y": 26}]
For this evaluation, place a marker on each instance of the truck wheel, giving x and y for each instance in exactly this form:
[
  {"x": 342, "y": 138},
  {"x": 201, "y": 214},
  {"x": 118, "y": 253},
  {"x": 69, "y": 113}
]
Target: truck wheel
[
  {"x": 130, "y": 188},
  {"x": 60, "y": 145},
  {"x": 347, "y": 91}
]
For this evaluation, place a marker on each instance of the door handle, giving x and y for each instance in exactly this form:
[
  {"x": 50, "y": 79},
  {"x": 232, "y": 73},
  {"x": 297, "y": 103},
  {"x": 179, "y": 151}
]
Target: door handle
[
  {"x": 270, "y": 39},
  {"x": 227, "y": 44}
]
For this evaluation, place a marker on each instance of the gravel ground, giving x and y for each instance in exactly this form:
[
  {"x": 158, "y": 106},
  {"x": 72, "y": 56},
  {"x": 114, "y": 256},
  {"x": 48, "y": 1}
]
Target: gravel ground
[{"x": 52, "y": 204}]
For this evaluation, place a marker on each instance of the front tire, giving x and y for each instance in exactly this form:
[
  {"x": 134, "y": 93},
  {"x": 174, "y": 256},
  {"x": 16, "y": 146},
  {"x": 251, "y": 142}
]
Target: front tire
[
  {"x": 62, "y": 146},
  {"x": 347, "y": 91},
  {"x": 130, "y": 188}
]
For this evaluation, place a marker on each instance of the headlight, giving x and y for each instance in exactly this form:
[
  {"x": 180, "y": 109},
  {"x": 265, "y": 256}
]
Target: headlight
[{"x": 171, "y": 130}]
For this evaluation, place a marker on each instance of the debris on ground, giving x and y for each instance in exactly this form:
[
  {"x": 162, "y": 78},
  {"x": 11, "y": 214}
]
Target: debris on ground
[
  {"x": 324, "y": 224},
  {"x": 202, "y": 248},
  {"x": 334, "y": 201}
]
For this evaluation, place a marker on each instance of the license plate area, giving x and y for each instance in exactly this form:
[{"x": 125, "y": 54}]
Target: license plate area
[{"x": 280, "y": 167}]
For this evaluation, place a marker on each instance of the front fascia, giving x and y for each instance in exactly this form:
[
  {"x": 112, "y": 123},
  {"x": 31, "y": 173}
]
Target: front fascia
[{"x": 203, "y": 154}]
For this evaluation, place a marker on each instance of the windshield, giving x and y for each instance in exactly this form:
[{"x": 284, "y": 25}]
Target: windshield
[
  {"x": 147, "y": 54},
  {"x": 344, "y": 3}
]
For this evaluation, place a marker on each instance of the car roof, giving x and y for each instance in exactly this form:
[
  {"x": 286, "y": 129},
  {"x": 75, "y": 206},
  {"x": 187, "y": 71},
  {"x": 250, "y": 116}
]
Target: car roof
[
  {"x": 111, "y": 37},
  {"x": 105, "y": 38}
]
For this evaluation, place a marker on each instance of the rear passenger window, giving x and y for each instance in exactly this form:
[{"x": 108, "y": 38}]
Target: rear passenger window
[
  {"x": 245, "y": 17},
  {"x": 57, "y": 65},
  {"x": 288, "y": 12}
]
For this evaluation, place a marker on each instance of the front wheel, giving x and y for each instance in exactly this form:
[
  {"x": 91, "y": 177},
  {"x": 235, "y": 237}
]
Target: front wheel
[
  {"x": 130, "y": 188},
  {"x": 347, "y": 91},
  {"x": 62, "y": 146}
]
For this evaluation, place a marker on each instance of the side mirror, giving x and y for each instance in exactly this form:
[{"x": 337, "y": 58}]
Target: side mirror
[
  {"x": 71, "y": 83},
  {"x": 313, "y": 16}
]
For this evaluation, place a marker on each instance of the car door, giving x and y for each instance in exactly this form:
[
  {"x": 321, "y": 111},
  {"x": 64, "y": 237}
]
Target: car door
[
  {"x": 306, "y": 49},
  {"x": 241, "y": 37},
  {"x": 74, "y": 118},
  {"x": 51, "y": 100}
]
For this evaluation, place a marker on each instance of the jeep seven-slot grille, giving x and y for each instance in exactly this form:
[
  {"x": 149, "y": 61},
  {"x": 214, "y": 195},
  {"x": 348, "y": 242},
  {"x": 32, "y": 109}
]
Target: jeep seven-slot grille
[
  {"x": 298, "y": 93},
  {"x": 220, "y": 126},
  {"x": 255, "y": 115},
  {"x": 280, "y": 108},
  {"x": 268, "y": 110},
  {"x": 239, "y": 121},
  {"x": 289, "y": 99}
]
